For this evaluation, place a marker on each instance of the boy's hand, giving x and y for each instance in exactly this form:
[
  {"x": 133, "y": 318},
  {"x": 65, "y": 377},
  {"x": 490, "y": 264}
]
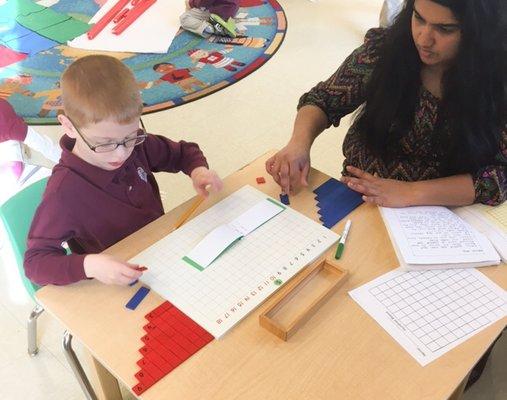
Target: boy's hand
[
  {"x": 202, "y": 177},
  {"x": 109, "y": 270}
]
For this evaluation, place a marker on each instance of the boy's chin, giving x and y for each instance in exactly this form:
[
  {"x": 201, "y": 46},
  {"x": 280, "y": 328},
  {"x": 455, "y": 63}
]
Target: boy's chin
[
  {"x": 113, "y": 166},
  {"x": 108, "y": 166}
]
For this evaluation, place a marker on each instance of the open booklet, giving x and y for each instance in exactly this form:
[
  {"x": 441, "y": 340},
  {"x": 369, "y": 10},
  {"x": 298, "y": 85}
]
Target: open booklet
[
  {"x": 433, "y": 237},
  {"x": 224, "y": 236}
]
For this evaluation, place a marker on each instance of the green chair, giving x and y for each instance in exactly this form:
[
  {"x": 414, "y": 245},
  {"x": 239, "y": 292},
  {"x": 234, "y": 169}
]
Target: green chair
[{"x": 17, "y": 214}]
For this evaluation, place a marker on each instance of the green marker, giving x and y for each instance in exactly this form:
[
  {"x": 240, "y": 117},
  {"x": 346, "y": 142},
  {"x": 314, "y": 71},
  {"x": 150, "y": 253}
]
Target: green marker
[{"x": 341, "y": 242}]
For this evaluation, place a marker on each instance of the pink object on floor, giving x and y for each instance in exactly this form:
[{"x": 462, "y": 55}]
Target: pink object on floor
[{"x": 12, "y": 168}]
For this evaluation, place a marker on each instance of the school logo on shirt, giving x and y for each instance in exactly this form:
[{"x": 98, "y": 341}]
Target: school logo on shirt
[{"x": 142, "y": 174}]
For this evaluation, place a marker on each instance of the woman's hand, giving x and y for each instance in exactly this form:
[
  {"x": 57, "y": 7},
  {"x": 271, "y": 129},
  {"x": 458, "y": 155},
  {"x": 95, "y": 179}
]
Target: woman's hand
[
  {"x": 290, "y": 166},
  {"x": 380, "y": 191}
]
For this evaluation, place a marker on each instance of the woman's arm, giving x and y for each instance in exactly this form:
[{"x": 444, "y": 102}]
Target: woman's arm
[
  {"x": 324, "y": 105},
  {"x": 490, "y": 182},
  {"x": 456, "y": 190},
  {"x": 289, "y": 167}
]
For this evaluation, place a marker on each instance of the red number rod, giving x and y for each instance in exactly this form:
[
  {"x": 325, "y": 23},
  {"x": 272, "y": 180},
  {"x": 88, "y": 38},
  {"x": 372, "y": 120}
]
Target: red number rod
[
  {"x": 106, "y": 19},
  {"x": 138, "y": 8}
]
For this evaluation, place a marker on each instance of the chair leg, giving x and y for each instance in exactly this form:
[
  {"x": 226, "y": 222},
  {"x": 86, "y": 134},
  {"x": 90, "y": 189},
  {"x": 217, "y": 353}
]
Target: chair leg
[
  {"x": 33, "y": 349},
  {"x": 76, "y": 367}
]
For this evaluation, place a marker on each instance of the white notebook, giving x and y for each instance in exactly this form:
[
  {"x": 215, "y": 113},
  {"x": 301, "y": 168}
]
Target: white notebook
[{"x": 432, "y": 237}]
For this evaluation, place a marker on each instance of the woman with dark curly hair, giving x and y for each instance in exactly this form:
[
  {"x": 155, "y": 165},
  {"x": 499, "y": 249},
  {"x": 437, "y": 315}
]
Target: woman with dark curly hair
[{"x": 430, "y": 95}]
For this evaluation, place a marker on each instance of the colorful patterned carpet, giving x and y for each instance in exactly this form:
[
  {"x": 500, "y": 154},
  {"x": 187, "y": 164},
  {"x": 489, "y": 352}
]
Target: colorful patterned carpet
[{"x": 30, "y": 82}]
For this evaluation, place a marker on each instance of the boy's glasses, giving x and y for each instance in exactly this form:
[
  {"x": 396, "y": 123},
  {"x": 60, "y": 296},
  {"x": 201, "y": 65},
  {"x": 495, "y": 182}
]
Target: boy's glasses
[{"x": 107, "y": 147}]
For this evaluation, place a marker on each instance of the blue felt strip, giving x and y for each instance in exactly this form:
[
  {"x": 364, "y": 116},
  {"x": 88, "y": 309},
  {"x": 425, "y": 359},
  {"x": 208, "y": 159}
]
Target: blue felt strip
[
  {"x": 335, "y": 201},
  {"x": 137, "y": 298}
]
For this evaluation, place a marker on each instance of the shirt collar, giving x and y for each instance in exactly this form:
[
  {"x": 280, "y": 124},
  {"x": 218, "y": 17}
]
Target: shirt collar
[{"x": 91, "y": 173}]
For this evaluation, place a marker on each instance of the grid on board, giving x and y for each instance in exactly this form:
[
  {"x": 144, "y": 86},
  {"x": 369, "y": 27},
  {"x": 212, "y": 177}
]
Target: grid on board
[
  {"x": 205, "y": 294},
  {"x": 233, "y": 275}
]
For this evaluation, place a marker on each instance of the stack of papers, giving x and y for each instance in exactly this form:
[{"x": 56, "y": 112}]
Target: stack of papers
[
  {"x": 432, "y": 237},
  {"x": 490, "y": 221}
]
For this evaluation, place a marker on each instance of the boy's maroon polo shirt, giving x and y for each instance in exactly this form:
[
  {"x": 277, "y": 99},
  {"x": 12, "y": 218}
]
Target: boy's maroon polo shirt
[{"x": 92, "y": 209}]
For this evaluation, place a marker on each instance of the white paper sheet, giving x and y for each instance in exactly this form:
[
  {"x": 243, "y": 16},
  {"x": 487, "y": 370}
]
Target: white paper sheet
[
  {"x": 435, "y": 237},
  {"x": 212, "y": 245},
  {"x": 256, "y": 216},
  {"x": 430, "y": 312},
  {"x": 152, "y": 32}
]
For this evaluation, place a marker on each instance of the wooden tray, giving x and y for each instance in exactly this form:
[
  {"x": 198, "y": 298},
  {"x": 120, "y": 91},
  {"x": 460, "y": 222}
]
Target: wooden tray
[{"x": 302, "y": 297}]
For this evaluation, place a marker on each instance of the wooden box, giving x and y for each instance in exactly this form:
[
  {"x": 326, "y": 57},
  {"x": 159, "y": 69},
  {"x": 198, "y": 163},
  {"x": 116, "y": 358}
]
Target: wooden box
[{"x": 301, "y": 298}]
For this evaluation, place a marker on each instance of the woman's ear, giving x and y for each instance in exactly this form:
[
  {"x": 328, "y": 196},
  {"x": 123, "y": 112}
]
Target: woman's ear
[{"x": 68, "y": 127}]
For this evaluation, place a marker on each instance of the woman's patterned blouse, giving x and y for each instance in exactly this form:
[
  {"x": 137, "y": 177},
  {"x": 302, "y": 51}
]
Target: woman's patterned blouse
[{"x": 420, "y": 156}]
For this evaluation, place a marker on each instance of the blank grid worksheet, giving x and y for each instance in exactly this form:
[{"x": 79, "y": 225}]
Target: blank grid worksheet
[{"x": 431, "y": 312}]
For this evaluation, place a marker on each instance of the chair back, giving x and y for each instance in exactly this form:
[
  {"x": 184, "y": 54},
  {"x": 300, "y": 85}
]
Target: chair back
[{"x": 17, "y": 214}]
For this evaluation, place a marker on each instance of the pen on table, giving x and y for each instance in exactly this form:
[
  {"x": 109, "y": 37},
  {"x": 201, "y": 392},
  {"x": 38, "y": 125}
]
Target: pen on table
[{"x": 341, "y": 242}]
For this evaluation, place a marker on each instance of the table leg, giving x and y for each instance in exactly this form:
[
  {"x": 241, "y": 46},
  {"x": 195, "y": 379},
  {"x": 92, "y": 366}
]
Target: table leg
[
  {"x": 104, "y": 382},
  {"x": 76, "y": 367},
  {"x": 458, "y": 392}
]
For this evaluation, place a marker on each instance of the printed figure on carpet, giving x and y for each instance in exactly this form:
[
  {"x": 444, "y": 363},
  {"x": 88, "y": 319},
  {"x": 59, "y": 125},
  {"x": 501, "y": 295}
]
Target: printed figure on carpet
[{"x": 34, "y": 54}]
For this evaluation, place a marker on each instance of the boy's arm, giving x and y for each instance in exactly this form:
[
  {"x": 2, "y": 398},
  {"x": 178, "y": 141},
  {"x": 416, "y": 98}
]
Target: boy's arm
[
  {"x": 46, "y": 261},
  {"x": 488, "y": 185},
  {"x": 47, "y": 264},
  {"x": 164, "y": 154}
]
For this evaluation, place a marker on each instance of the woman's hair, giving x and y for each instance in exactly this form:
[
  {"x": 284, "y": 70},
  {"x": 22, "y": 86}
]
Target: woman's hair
[{"x": 473, "y": 102}]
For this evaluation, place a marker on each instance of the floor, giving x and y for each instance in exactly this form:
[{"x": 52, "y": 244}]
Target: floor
[{"x": 233, "y": 127}]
